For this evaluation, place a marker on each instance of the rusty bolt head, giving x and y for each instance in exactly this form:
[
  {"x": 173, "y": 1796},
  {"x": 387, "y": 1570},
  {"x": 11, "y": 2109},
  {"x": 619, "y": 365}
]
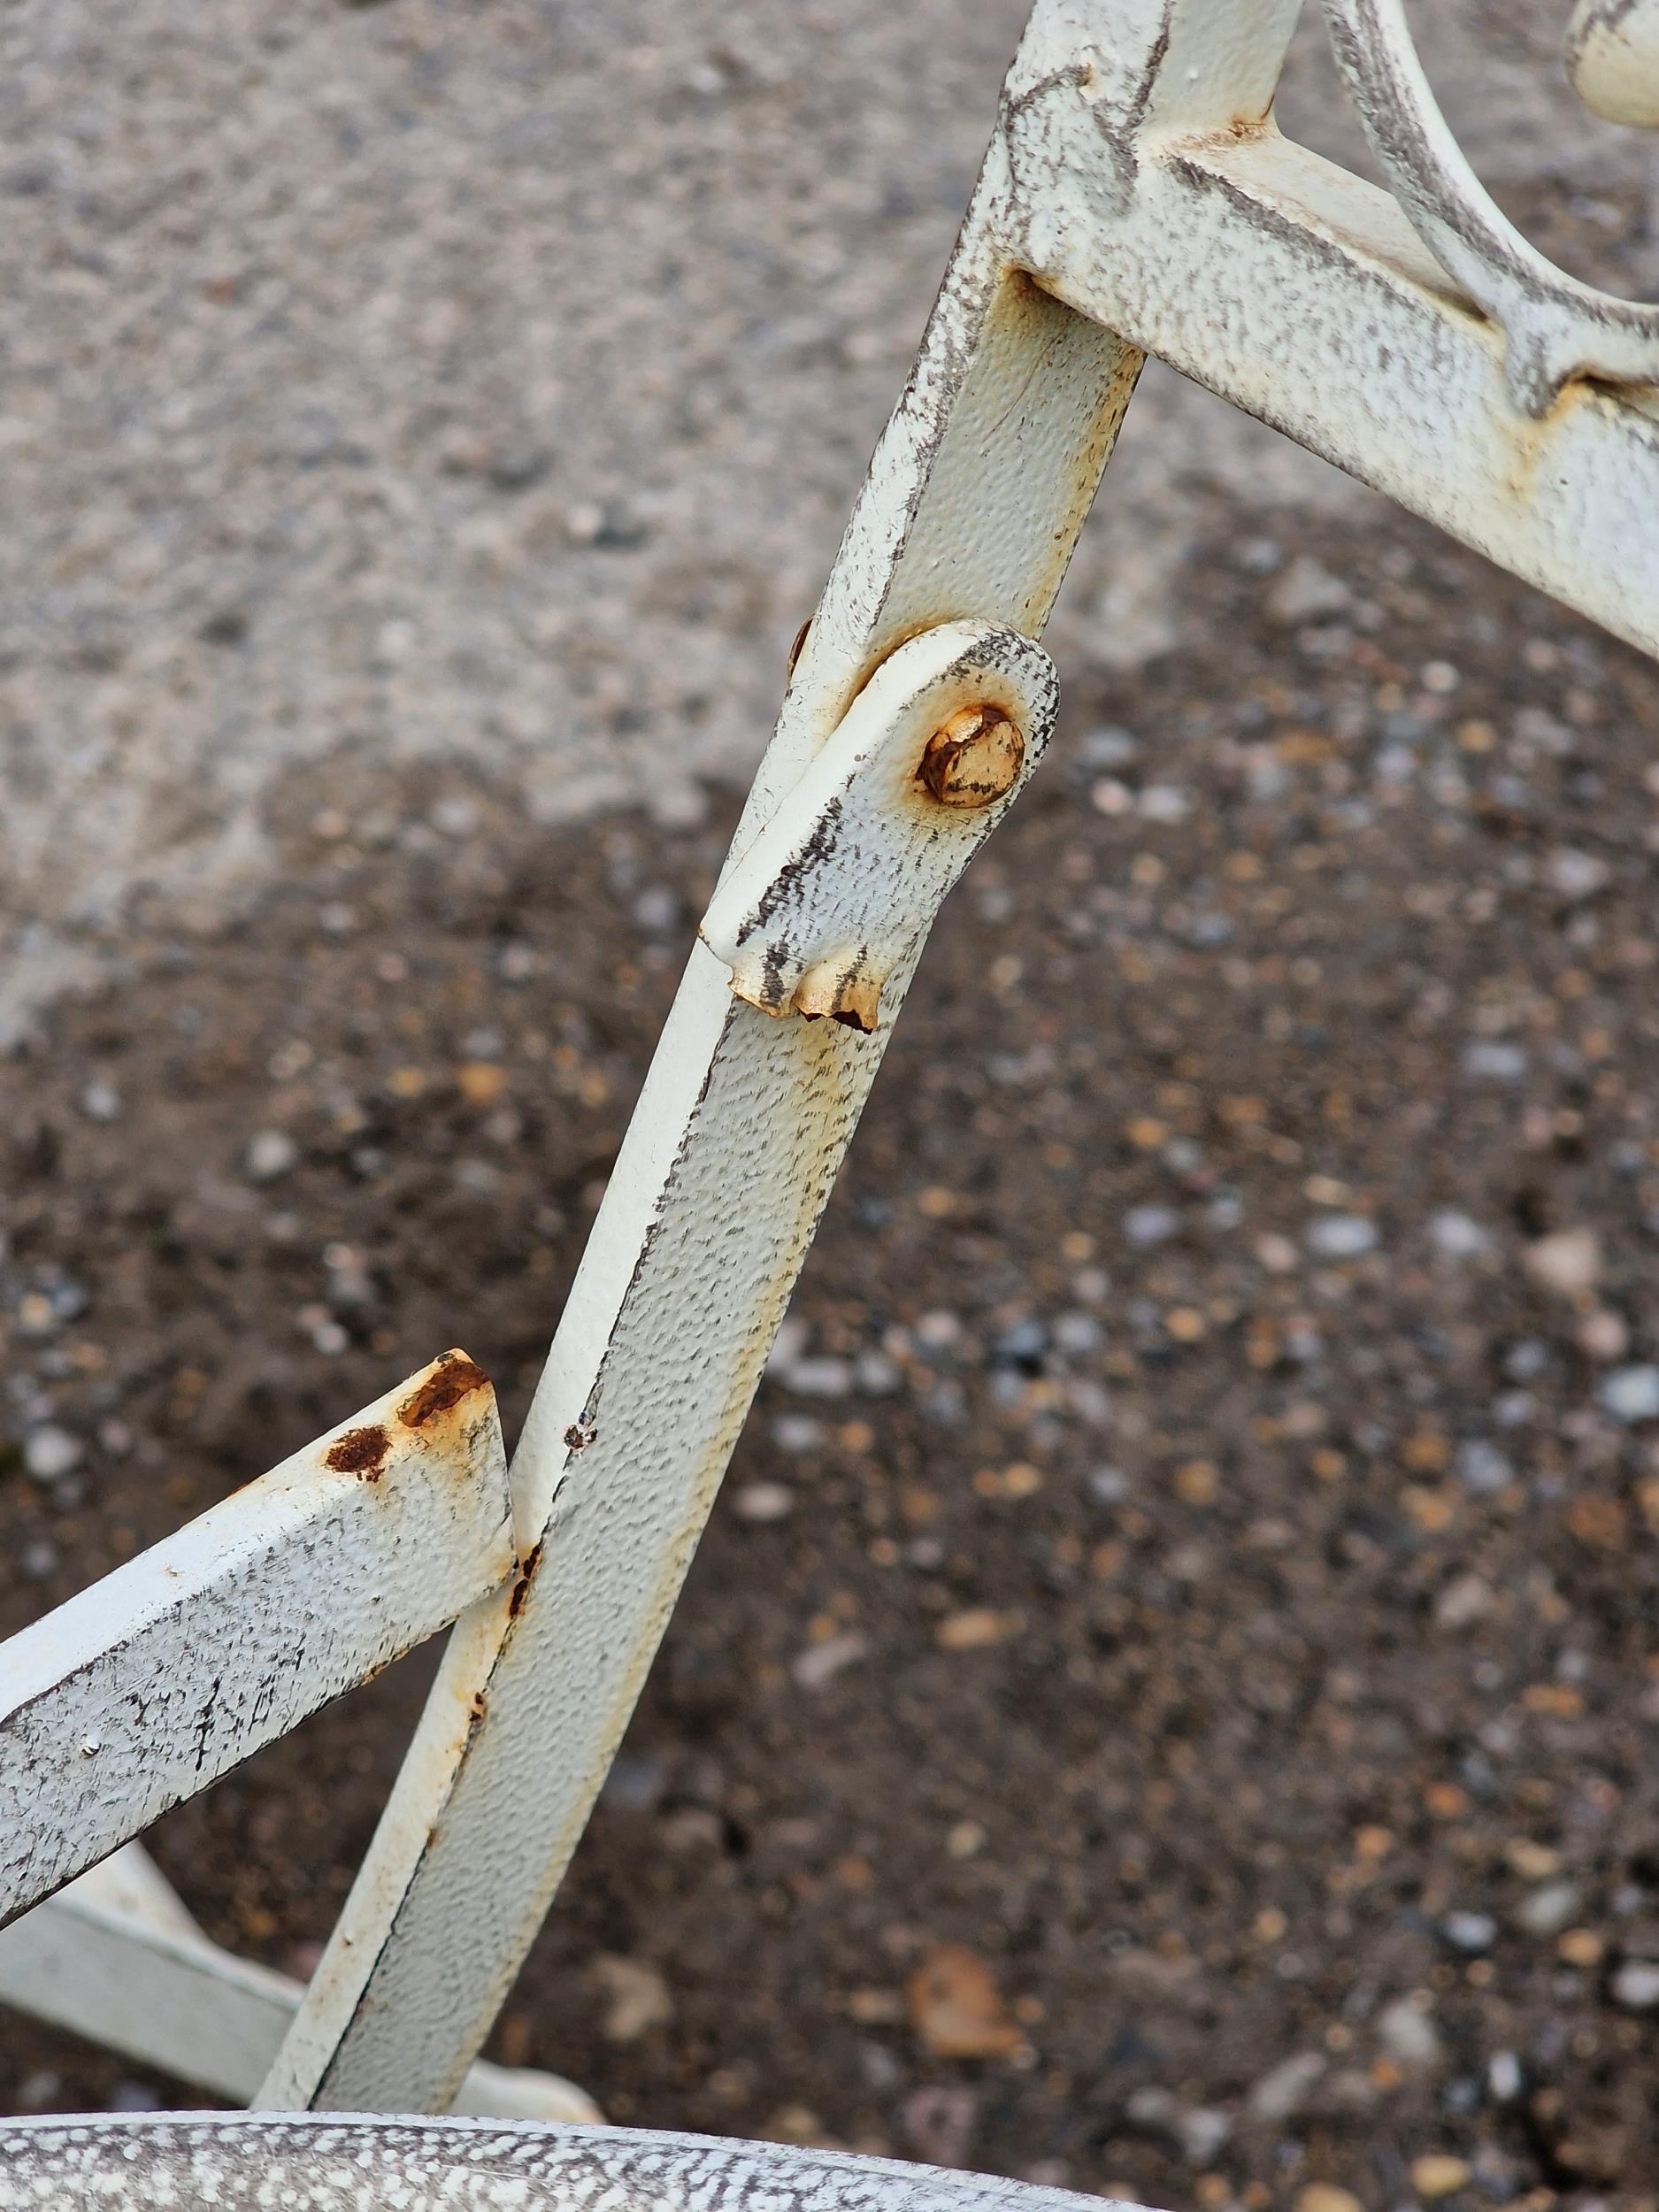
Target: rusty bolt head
[{"x": 974, "y": 758}]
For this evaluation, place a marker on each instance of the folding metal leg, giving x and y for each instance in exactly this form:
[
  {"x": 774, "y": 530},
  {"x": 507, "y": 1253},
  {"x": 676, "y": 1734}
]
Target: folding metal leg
[{"x": 116, "y": 1958}]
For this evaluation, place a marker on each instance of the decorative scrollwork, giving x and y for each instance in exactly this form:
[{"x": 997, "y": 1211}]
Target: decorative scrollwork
[{"x": 1555, "y": 327}]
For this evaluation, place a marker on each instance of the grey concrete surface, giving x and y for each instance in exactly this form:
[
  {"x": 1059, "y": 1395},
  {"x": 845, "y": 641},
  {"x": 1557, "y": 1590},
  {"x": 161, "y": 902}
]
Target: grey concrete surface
[{"x": 490, "y": 383}]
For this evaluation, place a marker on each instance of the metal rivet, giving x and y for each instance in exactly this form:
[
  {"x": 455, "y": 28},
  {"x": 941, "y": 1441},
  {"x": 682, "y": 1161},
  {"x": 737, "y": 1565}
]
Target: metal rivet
[{"x": 974, "y": 758}]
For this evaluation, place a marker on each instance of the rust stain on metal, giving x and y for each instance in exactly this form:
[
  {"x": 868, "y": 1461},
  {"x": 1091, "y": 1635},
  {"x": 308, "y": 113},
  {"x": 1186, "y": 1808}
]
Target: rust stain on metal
[
  {"x": 1529, "y": 440},
  {"x": 453, "y": 1378},
  {"x": 840, "y": 993},
  {"x": 359, "y": 1452},
  {"x": 577, "y": 1439},
  {"x": 521, "y": 1587},
  {"x": 974, "y": 759}
]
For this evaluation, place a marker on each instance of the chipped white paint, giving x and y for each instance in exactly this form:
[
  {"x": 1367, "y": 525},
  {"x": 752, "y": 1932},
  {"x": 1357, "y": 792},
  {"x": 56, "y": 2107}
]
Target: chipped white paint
[
  {"x": 144, "y": 1688},
  {"x": 161, "y": 2162},
  {"x": 116, "y": 1957},
  {"x": 838, "y": 890}
]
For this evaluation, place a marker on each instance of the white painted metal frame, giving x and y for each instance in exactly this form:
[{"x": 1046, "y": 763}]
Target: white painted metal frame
[
  {"x": 165, "y": 2162},
  {"x": 1137, "y": 197}
]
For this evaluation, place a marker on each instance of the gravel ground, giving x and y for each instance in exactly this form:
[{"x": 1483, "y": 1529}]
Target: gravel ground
[{"x": 1166, "y": 1703}]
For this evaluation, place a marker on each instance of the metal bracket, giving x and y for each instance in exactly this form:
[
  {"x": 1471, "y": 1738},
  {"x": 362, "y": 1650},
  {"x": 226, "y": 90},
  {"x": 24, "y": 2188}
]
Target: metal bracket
[{"x": 838, "y": 890}]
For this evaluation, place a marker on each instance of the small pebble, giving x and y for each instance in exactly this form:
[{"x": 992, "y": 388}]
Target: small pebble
[
  {"x": 1457, "y": 1236},
  {"x": 1463, "y": 1602},
  {"x": 1340, "y": 1236},
  {"x": 1306, "y": 590},
  {"x": 1107, "y": 795},
  {"x": 1437, "y": 2174},
  {"x": 1280, "y": 2094},
  {"x": 36, "y": 1315},
  {"x": 1504, "y": 2078},
  {"x": 1108, "y": 747},
  {"x": 638, "y": 1998},
  {"x": 1409, "y": 2035},
  {"x": 1495, "y": 1061},
  {"x": 820, "y": 1664},
  {"x": 817, "y": 1377},
  {"x": 763, "y": 1501},
  {"x": 1604, "y": 1335},
  {"x": 1574, "y": 874},
  {"x": 1471, "y": 1932},
  {"x": 1631, "y": 1395},
  {"x": 1277, "y": 1255},
  {"x": 1145, "y": 1225},
  {"x": 1164, "y": 802},
  {"x": 875, "y": 1375},
  {"x": 50, "y": 1452},
  {"x": 937, "y": 1331},
  {"x": 1636, "y": 1985},
  {"x": 1482, "y": 1468},
  {"x": 1569, "y": 1262},
  {"x": 956, "y": 2007},
  {"x": 1548, "y": 1910},
  {"x": 1324, "y": 2196},
  {"x": 976, "y": 1629},
  {"x": 798, "y": 1432},
  {"x": 271, "y": 1154}
]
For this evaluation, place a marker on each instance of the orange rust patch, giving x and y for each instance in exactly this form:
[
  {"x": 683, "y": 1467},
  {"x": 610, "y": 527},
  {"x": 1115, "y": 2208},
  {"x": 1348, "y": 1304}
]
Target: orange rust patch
[
  {"x": 455, "y": 1377},
  {"x": 359, "y": 1452}
]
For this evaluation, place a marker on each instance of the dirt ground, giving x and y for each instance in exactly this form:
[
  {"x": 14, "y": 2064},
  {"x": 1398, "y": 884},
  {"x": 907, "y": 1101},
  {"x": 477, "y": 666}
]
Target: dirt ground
[{"x": 1187, "y": 1589}]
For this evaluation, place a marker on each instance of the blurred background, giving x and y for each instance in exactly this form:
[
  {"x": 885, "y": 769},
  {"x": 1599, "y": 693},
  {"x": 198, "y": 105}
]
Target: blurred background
[{"x": 1183, "y": 1603}]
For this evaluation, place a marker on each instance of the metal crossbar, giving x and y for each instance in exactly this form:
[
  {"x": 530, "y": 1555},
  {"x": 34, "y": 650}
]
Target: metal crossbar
[{"x": 1137, "y": 198}]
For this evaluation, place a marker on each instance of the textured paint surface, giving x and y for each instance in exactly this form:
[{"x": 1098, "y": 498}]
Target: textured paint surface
[
  {"x": 353, "y": 2165},
  {"x": 168, "y": 1672}
]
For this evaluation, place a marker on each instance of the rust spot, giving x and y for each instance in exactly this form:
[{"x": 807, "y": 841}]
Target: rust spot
[
  {"x": 974, "y": 759},
  {"x": 578, "y": 1438},
  {"x": 453, "y": 1378},
  {"x": 521, "y": 1588},
  {"x": 359, "y": 1452},
  {"x": 840, "y": 991}
]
